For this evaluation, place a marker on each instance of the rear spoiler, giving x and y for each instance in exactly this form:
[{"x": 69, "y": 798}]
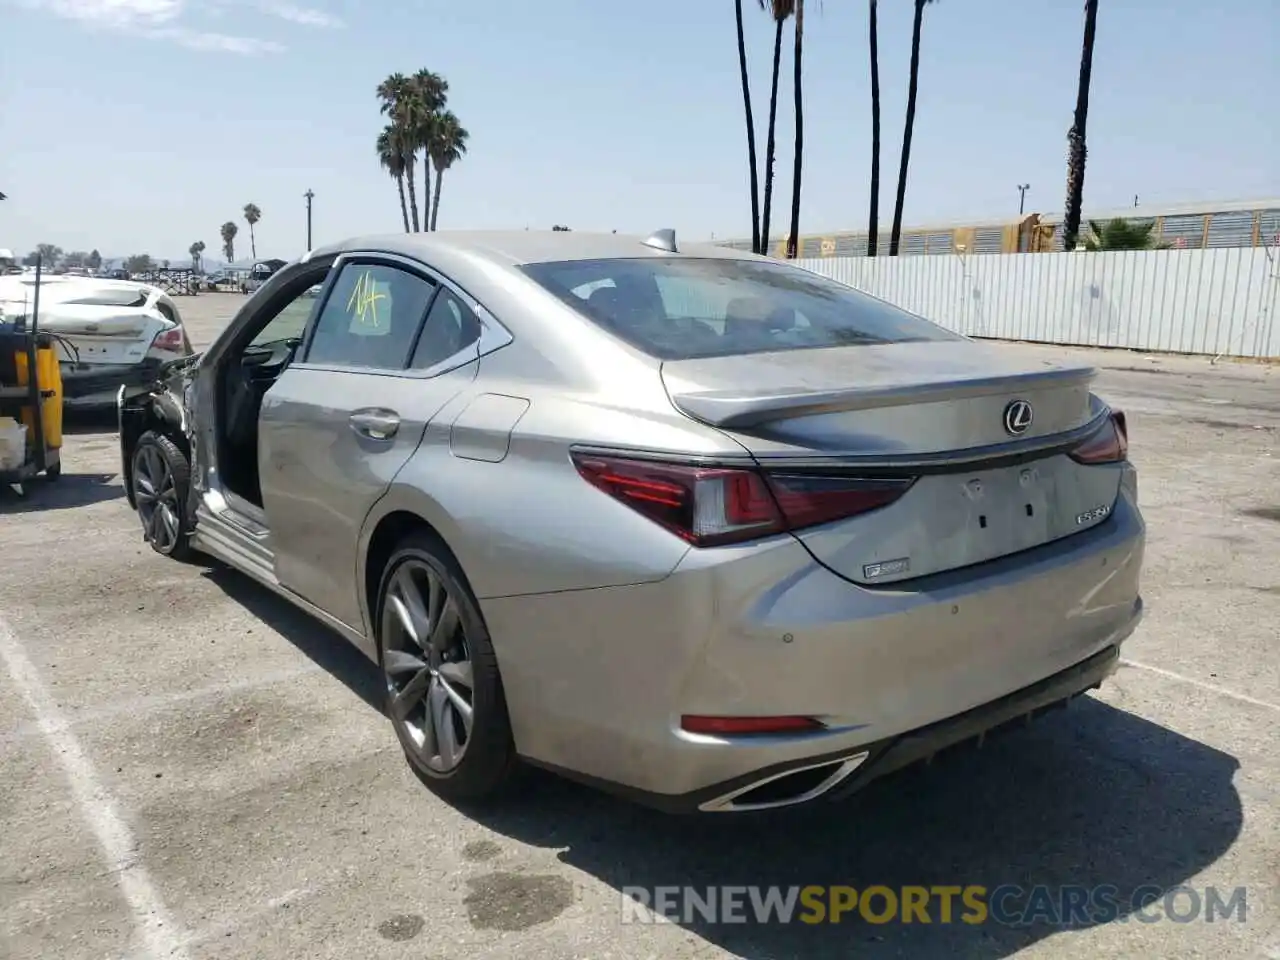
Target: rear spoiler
[{"x": 742, "y": 409}]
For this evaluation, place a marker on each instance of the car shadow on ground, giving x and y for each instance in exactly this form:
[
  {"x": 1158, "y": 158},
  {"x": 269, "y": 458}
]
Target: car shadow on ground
[
  {"x": 1090, "y": 798},
  {"x": 1085, "y": 798},
  {"x": 71, "y": 490},
  {"x": 328, "y": 650},
  {"x": 76, "y": 422}
]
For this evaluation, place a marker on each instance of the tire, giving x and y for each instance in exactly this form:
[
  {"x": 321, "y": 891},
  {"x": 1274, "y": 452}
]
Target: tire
[
  {"x": 488, "y": 761},
  {"x": 157, "y": 463}
]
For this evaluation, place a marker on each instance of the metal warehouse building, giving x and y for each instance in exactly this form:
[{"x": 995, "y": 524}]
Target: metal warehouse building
[{"x": 1254, "y": 223}]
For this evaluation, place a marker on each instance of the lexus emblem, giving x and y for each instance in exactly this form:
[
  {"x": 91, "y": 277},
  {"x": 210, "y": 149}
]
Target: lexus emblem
[{"x": 1017, "y": 418}]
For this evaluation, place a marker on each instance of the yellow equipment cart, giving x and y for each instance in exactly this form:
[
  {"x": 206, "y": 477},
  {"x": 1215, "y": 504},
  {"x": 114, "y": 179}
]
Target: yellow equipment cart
[{"x": 30, "y": 400}]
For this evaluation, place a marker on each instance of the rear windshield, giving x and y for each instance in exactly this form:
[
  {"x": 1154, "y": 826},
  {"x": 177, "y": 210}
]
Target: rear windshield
[{"x": 681, "y": 308}]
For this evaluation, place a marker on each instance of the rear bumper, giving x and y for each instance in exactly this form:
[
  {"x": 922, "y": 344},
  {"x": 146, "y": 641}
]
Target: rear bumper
[
  {"x": 974, "y": 725},
  {"x": 597, "y": 680},
  {"x": 98, "y": 384},
  {"x": 760, "y": 789}
]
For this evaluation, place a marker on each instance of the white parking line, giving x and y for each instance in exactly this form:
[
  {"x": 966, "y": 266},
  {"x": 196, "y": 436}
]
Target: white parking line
[
  {"x": 1211, "y": 687},
  {"x": 159, "y": 934},
  {"x": 245, "y": 917}
]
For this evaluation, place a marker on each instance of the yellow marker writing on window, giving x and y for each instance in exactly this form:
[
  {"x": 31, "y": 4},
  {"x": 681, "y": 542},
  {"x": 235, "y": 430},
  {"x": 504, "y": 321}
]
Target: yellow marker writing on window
[{"x": 363, "y": 303}]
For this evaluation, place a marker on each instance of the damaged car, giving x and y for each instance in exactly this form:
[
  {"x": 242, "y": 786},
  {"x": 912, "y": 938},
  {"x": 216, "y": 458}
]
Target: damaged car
[
  {"x": 109, "y": 333},
  {"x": 690, "y": 524}
]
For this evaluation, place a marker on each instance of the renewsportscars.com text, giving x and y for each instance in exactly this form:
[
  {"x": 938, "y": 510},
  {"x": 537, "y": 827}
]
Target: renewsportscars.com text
[{"x": 971, "y": 904}]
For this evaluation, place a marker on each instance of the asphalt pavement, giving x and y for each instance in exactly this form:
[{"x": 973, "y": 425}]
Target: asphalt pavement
[{"x": 191, "y": 769}]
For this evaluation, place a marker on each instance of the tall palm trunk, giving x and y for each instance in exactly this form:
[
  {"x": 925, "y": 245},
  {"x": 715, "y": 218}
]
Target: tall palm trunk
[
  {"x": 1076, "y": 149},
  {"x": 413, "y": 196},
  {"x": 896, "y": 236},
  {"x": 751, "y": 133},
  {"x": 873, "y": 222},
  {"x": 253, "y": 243},
  {"x": 793, "y": 240},
  {"x": 404, "y": 208},
  {"x": 771, "y": 142},
  {"x": 435, "y": 203},
  {"x": 426, "y": 192}
]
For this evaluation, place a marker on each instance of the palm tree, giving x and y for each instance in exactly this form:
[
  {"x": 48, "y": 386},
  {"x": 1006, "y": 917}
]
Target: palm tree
[
  {"x": 400, "y": 104},
  {"x": 448, "y": 146},
  {"x": 912, "y": 86},
  {"x": 793, "y": 238},
  {"x": 252, "y": 215},
  {"x": 1076, "y": 150},
  {"x": 391, "y": 158},
  {"x": 780, "y": 10},
  {"x": 430, "y": 94},
  {"x": 194, "y": 250},
  {"x": 228, "y": 232},
  {"x": 1122, "y": 234},
  {"x": 873, "y": 221},
  {"x": 751, "y": 132},
  {"x": 415, "y": 106}
]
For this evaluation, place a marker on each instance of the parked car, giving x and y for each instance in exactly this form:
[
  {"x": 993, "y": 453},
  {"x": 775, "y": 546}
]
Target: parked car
[
  {"x": 260, "y": 273},
  {"x": 695, "y": 525},
  {"x": 109, "y": 332}
]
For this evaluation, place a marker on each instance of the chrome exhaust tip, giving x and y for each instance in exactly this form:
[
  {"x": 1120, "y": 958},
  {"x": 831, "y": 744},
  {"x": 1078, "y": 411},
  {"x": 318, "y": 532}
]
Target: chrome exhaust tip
[{"x": 791, "y": 787}]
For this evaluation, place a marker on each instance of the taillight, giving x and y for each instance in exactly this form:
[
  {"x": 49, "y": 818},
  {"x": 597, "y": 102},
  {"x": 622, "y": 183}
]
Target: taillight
[
  {"x": 170, "y": 340},
  {"x": 704, "y": 505},
  {"x": 809, "y": 500},
  {"x": 1109, "y": 445},
  {"x": 712, "y": 506}
]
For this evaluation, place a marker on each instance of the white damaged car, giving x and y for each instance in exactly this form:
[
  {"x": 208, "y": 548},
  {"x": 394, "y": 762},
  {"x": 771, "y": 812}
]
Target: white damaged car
[{"x": 108, "y": 332}]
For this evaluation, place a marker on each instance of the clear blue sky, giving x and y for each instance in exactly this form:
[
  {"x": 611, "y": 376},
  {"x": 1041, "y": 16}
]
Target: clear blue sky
[{"x": 142, "y": 125}]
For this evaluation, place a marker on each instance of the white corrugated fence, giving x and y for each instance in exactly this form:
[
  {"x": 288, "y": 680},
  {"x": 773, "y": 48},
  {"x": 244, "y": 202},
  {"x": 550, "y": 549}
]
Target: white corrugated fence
[{"x": 1217, "y": 301}]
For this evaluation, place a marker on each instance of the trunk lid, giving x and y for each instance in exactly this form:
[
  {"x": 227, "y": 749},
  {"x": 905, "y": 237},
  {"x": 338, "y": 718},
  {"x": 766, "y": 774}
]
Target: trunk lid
[
  {"x": 982, "y": 431},
  {"x": 101, "y": 321},
  {"x": 93, "y": 334}
]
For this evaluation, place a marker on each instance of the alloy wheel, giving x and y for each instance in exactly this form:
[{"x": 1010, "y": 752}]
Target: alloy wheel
[
  {"x": 427, "y": 663},
  {"x": 156, "y": 494}
]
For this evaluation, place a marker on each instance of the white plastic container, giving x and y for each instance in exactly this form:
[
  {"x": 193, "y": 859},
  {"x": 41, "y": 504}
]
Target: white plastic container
[{"x": 13, "y": 443}]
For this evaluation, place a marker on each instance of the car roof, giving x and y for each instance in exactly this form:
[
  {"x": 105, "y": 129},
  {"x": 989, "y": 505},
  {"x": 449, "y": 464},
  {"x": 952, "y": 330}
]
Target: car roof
[{"x": 512, "y": 248}]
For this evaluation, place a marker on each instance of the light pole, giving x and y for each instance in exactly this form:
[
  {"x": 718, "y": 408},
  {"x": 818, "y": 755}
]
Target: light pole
[
  {"x": 310, "y": 195},
  {"x": 1022, "y": 196}
]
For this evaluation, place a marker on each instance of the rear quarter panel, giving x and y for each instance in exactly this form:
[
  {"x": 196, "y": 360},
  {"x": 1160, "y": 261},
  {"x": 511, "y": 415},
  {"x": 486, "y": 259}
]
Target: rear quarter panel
[{"x": 528, "y": 523}]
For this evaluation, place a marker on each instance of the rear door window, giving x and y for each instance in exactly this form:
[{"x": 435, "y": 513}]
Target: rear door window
[
  {"x": 451, "y": 327},
  {"x": 685, "y": 307},
  {"x": 371, "y": 317}
]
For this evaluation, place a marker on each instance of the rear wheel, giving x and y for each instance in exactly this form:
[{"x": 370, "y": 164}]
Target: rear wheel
[
  {"x": 161, "y": 479},
  {"x": 443, "y": 690}
]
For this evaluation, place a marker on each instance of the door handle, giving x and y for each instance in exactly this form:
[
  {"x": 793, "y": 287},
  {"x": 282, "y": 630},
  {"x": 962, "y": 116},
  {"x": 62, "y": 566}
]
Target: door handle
[{"x": 375, "y": 424}]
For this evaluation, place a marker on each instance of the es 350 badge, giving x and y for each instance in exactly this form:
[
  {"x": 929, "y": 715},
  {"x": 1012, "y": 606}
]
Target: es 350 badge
[{"x": 1097, "y": 513}]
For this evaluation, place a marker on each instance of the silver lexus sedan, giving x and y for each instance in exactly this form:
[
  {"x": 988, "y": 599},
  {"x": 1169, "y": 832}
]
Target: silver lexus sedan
[{"x": 689, "y": 524}]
